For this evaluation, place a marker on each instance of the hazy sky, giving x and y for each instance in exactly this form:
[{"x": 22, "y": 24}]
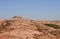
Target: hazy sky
[{"x": 34, "y": 9}]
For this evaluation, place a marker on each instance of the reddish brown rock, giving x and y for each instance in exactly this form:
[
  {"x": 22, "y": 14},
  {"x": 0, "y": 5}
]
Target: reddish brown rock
[{"x": 19, "y": 28}]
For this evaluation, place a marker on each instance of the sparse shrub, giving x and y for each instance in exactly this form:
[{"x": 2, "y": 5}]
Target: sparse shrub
[
  {"x": 6, "y": 23},
  {"x": 53, "y": 25},
  {"x": 54, "y": 32},
  {"x": 36, "y": 36}
]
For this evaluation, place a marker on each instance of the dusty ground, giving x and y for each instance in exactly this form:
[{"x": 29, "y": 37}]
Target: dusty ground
[{"x": 19, "y": 28}]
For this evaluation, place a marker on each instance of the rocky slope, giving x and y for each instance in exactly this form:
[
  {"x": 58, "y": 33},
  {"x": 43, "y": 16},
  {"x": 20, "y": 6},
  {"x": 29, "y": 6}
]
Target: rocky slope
[{"x": 19, "y": 28}]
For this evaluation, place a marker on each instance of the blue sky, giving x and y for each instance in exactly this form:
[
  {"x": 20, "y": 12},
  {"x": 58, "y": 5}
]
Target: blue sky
[{"x": 34, "y": 9}]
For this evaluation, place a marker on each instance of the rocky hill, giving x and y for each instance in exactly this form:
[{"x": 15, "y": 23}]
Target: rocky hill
[{"x": 20, "y": 28}]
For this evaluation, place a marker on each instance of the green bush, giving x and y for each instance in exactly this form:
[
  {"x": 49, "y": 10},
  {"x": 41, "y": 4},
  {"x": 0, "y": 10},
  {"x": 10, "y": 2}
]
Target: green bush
[{"x": 53, "y": 25}]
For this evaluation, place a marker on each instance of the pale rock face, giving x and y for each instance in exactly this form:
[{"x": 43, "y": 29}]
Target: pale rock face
[{"x": 20, "y": 28}]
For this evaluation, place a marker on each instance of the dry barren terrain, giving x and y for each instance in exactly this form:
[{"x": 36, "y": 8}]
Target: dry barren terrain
[{"x": 20, "y": 28}]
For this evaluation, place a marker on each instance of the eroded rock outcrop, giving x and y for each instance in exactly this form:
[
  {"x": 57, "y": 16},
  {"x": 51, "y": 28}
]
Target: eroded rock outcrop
[{"x": 19, "y": 28}]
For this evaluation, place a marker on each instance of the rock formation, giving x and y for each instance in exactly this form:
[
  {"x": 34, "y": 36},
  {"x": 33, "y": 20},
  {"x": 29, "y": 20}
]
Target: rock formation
[{"x": 19, "y": 28}]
